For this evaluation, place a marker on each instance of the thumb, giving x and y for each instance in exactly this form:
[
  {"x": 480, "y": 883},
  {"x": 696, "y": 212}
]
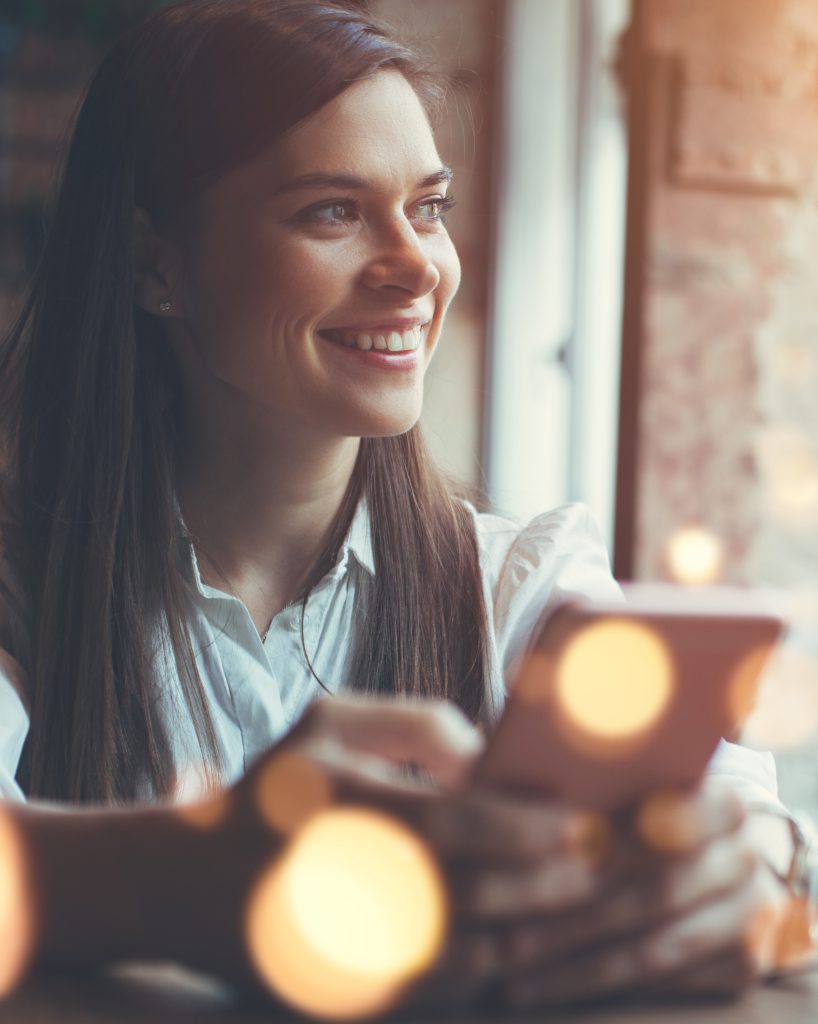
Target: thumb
[{"x": 434, "y": 736}]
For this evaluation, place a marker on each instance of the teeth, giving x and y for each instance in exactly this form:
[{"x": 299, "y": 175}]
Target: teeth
[{"x": 392, "y": 341}]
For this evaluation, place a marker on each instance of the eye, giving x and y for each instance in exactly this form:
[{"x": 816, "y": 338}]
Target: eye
[
  {"x": 433, "y": 208},
  {"x": 332, "y": 212}
]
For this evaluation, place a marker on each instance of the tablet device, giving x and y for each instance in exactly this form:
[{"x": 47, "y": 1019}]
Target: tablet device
[{"x": 618, "y": 700}]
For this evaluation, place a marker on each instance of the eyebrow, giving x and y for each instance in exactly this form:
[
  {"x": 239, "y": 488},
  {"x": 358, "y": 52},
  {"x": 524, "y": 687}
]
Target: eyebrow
[{"x": 350, "y": 181}]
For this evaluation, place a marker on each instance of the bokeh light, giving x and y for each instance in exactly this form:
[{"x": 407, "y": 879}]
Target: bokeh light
[
  {"x": 590, "y": 838},
  {"x": 205, "y": 814},
  {"x": 770, "y": 938},
  {"x": 16, "y": 924},
  {"x": 666, "y": 821},
  {"x": 613, "y": 680},
  {"x": 795, "y": 946},
  {"x": 785, "y": 715},
  {"x": 789, "y": 468},
  {"x": 745, "y": 680},
  {"x": 695, "y": 556},
  {"x": 198, "y": 799},
  {"x": 351, "y": 913},
  {"x": 291, "y": 789}
]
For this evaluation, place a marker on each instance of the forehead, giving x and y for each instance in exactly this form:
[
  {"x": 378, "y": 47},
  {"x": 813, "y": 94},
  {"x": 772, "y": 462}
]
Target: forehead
[{"x": 377, "y": 128}]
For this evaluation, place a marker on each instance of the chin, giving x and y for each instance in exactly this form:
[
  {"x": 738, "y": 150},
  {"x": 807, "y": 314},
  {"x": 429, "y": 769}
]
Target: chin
[{"x": 385, "y": 424}]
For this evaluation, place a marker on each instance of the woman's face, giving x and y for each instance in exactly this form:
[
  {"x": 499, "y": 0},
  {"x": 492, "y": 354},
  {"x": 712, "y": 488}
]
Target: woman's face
[{"x": 314, "y": 287}]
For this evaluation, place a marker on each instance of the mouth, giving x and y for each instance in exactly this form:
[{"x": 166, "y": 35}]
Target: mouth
[{"x": 392, "y": 340}]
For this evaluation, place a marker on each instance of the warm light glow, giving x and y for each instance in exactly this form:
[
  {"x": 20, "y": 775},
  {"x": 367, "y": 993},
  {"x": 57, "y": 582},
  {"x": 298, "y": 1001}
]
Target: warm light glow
[
  {"x": 695, "y": 556},
  {"x": 590, "y": 838},
  {"x": 614, "y": 680},
  {"x": 769, "y": 937},
  {"x": 786, "y": 711},
  {"x": 205, "y": 814},
  {"x": 789, "y": 465},
  {"x": 667, "y": 822},
  {"x": 533, "y": 678},
  {"x": 744, "y": 684},
  {"x": 197, "y": 798},
  {"x": 353, "y": 911},
  {"x": 795, "y": 944},
  {"x": 16, "y": 925},
  {"x": 290, "y": 790}
]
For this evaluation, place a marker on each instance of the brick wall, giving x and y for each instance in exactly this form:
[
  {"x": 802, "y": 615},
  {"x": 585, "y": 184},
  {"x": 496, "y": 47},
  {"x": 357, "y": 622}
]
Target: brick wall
[
  {"x": 727, "y": 396},
  {"x": 728, "y": 417}
]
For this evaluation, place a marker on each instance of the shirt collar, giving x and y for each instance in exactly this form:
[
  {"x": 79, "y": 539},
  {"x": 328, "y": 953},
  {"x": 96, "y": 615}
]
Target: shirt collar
[
  {"x": 358, "y": 543},
  {"x": 359, "y": 539}
]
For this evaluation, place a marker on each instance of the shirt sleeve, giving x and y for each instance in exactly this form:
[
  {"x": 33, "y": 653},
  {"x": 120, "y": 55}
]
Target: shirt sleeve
[
  {"x": 14, "y": 719},
  {"x": 530, "y": 570},
  {"x": 13, "y": 725}
]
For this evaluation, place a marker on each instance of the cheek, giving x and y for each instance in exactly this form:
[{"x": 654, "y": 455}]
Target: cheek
[
  {"x": 448, "y": 265},
  {"x": 239, "y": 287}
]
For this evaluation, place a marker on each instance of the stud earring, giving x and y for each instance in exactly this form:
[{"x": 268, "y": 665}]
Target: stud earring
[{"x": 164, "y": 306}]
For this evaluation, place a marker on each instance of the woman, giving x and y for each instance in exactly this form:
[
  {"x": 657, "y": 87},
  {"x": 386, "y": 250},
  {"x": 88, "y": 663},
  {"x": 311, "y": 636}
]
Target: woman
[{"x": 219, "y": 505}]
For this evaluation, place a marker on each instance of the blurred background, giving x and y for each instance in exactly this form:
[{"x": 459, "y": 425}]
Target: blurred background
[{"x": 638, "y": 223}]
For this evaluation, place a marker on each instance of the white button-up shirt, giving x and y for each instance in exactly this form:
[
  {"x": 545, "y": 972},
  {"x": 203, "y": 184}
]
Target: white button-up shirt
[{"x": 256, "y": 691}]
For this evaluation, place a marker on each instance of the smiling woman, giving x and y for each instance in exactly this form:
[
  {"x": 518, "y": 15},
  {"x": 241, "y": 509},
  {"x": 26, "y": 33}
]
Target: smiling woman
[
  {"x": 321, "y": 275},
  {"x": 217, "y": 506}
]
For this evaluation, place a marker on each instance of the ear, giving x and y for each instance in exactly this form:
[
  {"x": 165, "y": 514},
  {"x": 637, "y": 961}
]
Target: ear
[{"x": 155, "y": 268}]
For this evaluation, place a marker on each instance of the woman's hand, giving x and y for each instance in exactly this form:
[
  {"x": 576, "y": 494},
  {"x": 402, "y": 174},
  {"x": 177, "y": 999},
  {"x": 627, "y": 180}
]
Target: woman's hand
[
  {"x": 503, "y": 856},
  {"x": 695, "y": 917},
  {"x": 538, "y": 914}
]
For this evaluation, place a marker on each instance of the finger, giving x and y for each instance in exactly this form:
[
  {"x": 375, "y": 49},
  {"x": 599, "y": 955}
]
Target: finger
[
  {"x": 724, "y": 866},
  {"x": 629, "y": 908},
  {"x": 726, "y": 975},
  {"x": 432, "y": 735},
  {"x": 744, "y": 923},
  {"x": 480, "y": 826},
  {"x": 548, "y": 888},
  {"x": 673, "y": 822},
  {"x": 628, "y": 966},
  {"x": 582, "y": 978},
  {"x": 470, "y": 962}
]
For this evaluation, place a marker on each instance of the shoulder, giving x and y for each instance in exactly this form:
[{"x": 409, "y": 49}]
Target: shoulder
[
  {"x": 530, "y": 567},
  {"x": 564, "y": 544}
]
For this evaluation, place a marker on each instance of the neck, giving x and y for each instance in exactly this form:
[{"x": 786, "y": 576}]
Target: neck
[{"x": 260, "y": 513}]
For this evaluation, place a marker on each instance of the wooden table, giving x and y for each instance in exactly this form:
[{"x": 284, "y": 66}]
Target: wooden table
[{"x": 160, "y": 994}]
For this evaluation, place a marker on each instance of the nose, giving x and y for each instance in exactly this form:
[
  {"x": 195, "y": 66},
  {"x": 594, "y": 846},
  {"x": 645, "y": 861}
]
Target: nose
[{"x": 401, "y": 263}]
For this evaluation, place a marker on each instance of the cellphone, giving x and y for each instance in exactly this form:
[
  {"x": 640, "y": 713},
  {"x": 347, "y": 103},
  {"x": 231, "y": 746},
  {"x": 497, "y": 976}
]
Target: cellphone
[{"x": 614, "y": 701}]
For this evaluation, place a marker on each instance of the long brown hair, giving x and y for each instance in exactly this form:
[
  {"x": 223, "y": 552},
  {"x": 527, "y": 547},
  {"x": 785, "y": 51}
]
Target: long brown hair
[{"x": 88, "y": 389}]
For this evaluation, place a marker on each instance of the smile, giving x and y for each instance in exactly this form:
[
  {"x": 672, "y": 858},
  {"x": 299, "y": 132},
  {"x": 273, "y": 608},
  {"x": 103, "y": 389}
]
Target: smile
[{"x": 405, "y": 340}]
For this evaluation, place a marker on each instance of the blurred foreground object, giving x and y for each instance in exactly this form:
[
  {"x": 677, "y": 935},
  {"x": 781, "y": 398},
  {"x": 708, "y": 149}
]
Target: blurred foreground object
[
  {"x": 618, "y": 700},
  {"x": 354, "y": 911}
]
